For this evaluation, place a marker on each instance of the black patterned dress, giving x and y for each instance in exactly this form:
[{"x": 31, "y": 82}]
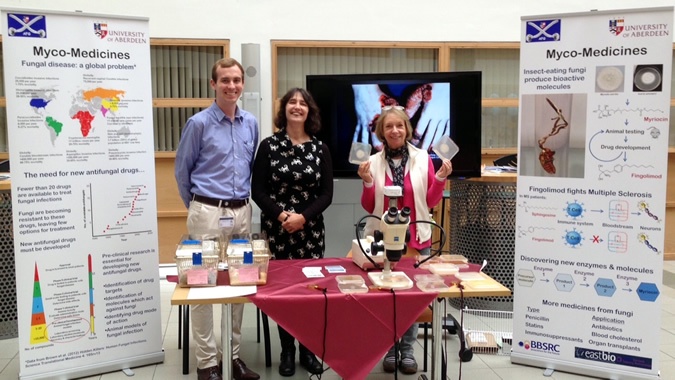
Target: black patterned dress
[{"x": 295, "y": 178}]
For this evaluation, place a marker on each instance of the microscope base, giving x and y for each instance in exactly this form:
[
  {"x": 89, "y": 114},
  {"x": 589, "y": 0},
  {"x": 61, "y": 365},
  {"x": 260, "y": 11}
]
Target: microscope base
[{"x": 397, "y": 280}]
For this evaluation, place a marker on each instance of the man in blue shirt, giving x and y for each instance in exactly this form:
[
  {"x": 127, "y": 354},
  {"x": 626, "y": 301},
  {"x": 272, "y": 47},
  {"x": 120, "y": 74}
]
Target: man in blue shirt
[{"x": 213, "y": 172}]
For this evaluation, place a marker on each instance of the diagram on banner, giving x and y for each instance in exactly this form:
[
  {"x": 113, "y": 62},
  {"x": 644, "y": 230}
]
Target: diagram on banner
[
  {"x": 601, "y": 286},
  {"x": 574, "y": 209},
  {"x": 618, "y": 169},
  {"x": 79, "y": 115},
  {"x": 67, "y": 314},
  {"x": 619, "y": 148},
  {"x": 593, "y": 167},
  {"x": 57, "y": 113},
  {"x": 605, "y": 111},
  {"x": 87, "y": 104},
  {"x": 553, "y": 135},
  {"x": 574, "y": 213},
  {"x": 120, "y": 214}
]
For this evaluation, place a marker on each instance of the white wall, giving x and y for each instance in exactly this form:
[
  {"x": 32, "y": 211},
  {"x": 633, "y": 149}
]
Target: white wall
[{"x": 260, "y": 21}]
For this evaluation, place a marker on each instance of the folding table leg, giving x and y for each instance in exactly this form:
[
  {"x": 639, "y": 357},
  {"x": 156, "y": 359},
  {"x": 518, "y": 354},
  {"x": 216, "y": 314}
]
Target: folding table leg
[{"x": 186, "y": 339}]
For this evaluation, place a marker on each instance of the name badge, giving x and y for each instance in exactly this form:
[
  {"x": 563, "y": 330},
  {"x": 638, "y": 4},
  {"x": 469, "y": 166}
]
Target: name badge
[{"x": 226, "y": 222}]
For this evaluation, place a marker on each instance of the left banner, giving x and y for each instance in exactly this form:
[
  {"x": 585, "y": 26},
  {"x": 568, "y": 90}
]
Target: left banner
[{"x": 79, "y": 118}]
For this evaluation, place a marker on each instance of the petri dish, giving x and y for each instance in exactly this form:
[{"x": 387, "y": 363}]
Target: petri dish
[
  {"x": 445, "y": 148},
  {"x": 359, "y": 153},
  {"x": 609, "y": 78},
  {"x": 647, "y": 78}
]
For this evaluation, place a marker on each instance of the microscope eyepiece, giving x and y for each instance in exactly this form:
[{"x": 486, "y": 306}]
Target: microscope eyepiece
[{"x": 392, "y": 213}]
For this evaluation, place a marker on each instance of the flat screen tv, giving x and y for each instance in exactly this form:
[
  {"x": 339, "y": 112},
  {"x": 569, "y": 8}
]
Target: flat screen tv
[{"x": 438, "y": 104}]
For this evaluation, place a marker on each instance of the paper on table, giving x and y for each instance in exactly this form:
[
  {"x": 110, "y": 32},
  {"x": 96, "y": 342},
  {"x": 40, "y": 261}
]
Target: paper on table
[
  {"x": 311, "y": 272},
  {"x": 214, "y": 292}
]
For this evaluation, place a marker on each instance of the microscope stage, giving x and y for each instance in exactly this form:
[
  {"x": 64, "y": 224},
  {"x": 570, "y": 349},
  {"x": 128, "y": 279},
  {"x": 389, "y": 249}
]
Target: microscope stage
[{"x": 396, "y": 280}]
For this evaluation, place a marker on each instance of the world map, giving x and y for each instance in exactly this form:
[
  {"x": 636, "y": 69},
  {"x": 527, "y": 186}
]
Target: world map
[{"x": 85, "y": 106}]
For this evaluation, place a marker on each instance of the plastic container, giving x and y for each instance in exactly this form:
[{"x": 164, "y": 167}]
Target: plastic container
[
  {"x": 431, "y": 283},
  {"x": 350, "y": 284},
  {"x": 349, "y": 279},
  {"x": 197, "y": 257},
  {"x": 454, "y": 259},
  {"x": 443, "y": 269},
  {"x": 248, "y": 269},
  {"x": 209, "y": 244},
  {"x": 458, "y": 260},
  {"x": 197, "y": 270},
  {"x": 470, "y": 276}
]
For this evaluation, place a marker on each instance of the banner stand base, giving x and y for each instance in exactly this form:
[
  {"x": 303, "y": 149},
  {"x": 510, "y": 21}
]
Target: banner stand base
[
  {"x": 97, "y": 368},
  {"x": 577, "y": 368}
]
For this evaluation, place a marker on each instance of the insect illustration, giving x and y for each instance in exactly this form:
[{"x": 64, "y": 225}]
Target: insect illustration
[
  {"x": 546, "y": 160},
  {"x": 546, "y": 155}
]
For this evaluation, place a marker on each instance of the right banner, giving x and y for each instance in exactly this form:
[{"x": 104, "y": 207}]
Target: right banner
[{"x": 592, "y": 172}]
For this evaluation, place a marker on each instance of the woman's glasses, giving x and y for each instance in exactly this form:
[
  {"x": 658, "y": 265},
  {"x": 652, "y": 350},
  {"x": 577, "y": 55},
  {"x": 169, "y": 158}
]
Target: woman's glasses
[{"x": 387, "y": 108}]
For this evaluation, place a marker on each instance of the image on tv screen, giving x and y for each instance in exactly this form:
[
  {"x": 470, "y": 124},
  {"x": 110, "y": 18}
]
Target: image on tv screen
[
  {"x": 427, "y": 106},
  {"x": 438, "y": 104}
]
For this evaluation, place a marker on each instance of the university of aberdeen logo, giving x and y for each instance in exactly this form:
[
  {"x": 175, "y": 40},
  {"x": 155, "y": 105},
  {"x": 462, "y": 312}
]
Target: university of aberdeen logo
[{"x": 616, "y": 26}]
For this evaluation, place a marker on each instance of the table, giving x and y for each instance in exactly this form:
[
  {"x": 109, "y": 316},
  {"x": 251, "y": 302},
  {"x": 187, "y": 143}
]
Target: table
[
  {"x": 287, "y": 295},
  {"x": 483, "y": 227}
]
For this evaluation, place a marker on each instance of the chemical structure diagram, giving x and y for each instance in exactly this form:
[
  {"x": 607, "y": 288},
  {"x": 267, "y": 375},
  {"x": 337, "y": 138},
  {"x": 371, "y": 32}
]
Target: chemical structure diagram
[
  {"x": 605, "y": 111},
  {"x": 539, "y": 208},
  {"x": 522, "y": 232},
  {"x": 618, "y": 169}
]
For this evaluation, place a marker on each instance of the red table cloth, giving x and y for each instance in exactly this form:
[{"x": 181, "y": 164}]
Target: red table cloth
[{"x": 358, "y": 328}]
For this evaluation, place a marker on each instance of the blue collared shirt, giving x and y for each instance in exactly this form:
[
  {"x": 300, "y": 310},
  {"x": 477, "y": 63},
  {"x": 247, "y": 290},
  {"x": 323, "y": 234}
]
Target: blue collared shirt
[{"x": 215, "y": 155}]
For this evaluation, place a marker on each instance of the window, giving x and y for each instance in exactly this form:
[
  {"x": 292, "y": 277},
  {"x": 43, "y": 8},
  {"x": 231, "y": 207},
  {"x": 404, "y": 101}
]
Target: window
[{"x": 181, "y": 70}]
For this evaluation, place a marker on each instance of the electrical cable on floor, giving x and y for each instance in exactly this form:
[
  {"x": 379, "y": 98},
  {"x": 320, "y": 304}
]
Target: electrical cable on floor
[
  {"x": 325, "y": 329},
  {"x": 396, "y": 342},
  {"x": 444, "y": 352}
]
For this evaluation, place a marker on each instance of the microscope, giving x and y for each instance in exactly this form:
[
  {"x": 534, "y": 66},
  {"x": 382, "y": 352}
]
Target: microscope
[{"x": 391, "y": 239}]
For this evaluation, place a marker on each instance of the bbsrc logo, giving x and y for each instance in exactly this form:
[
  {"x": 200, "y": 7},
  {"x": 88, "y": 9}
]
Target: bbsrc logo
[{"x": 534, "y": 345}]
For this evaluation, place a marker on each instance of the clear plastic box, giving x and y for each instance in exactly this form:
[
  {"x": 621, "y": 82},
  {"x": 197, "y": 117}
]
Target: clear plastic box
[
  {"x": 349, "y": 279},
  {"x": 191, "y": 275},
  {"x": 471, "y": 276},
  {"x": 458, "y": 260},
  {"x": 431, "y": 283},
  {"x": 443, "y": 269},
  {"x": 190, "y": 249},
  {"x": 445, "y": 148},
  {"x": 209, "y": 244},
  {"x": 351, "y": 284},
  {"x": 243, "y": 273}
]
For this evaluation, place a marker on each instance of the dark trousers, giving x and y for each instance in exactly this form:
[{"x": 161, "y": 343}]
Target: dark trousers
[{"x": 288, "y": 343}]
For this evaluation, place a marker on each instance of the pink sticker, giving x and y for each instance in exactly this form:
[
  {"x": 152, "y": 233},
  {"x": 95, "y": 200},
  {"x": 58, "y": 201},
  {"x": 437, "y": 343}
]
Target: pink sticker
[{"x": 198, "y": 277}]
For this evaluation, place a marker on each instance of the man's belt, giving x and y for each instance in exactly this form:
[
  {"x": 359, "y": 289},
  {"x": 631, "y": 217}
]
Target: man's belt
[{"x": 227, "y": 203}]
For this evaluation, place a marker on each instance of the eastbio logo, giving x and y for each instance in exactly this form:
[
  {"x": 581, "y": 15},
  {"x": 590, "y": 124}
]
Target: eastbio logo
[
  {"x": 612, "y": 358},
  {"x": 598, "y": 356},
  {"x": 540, "y": 346}
]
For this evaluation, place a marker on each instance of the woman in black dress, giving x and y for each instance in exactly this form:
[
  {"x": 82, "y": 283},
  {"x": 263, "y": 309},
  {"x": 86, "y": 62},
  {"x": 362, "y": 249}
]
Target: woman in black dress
[{"x": 293, "y": 184}]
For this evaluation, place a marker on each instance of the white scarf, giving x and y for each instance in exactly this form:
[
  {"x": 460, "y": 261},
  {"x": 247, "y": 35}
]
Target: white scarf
[{"x": 418, "y": 167}]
